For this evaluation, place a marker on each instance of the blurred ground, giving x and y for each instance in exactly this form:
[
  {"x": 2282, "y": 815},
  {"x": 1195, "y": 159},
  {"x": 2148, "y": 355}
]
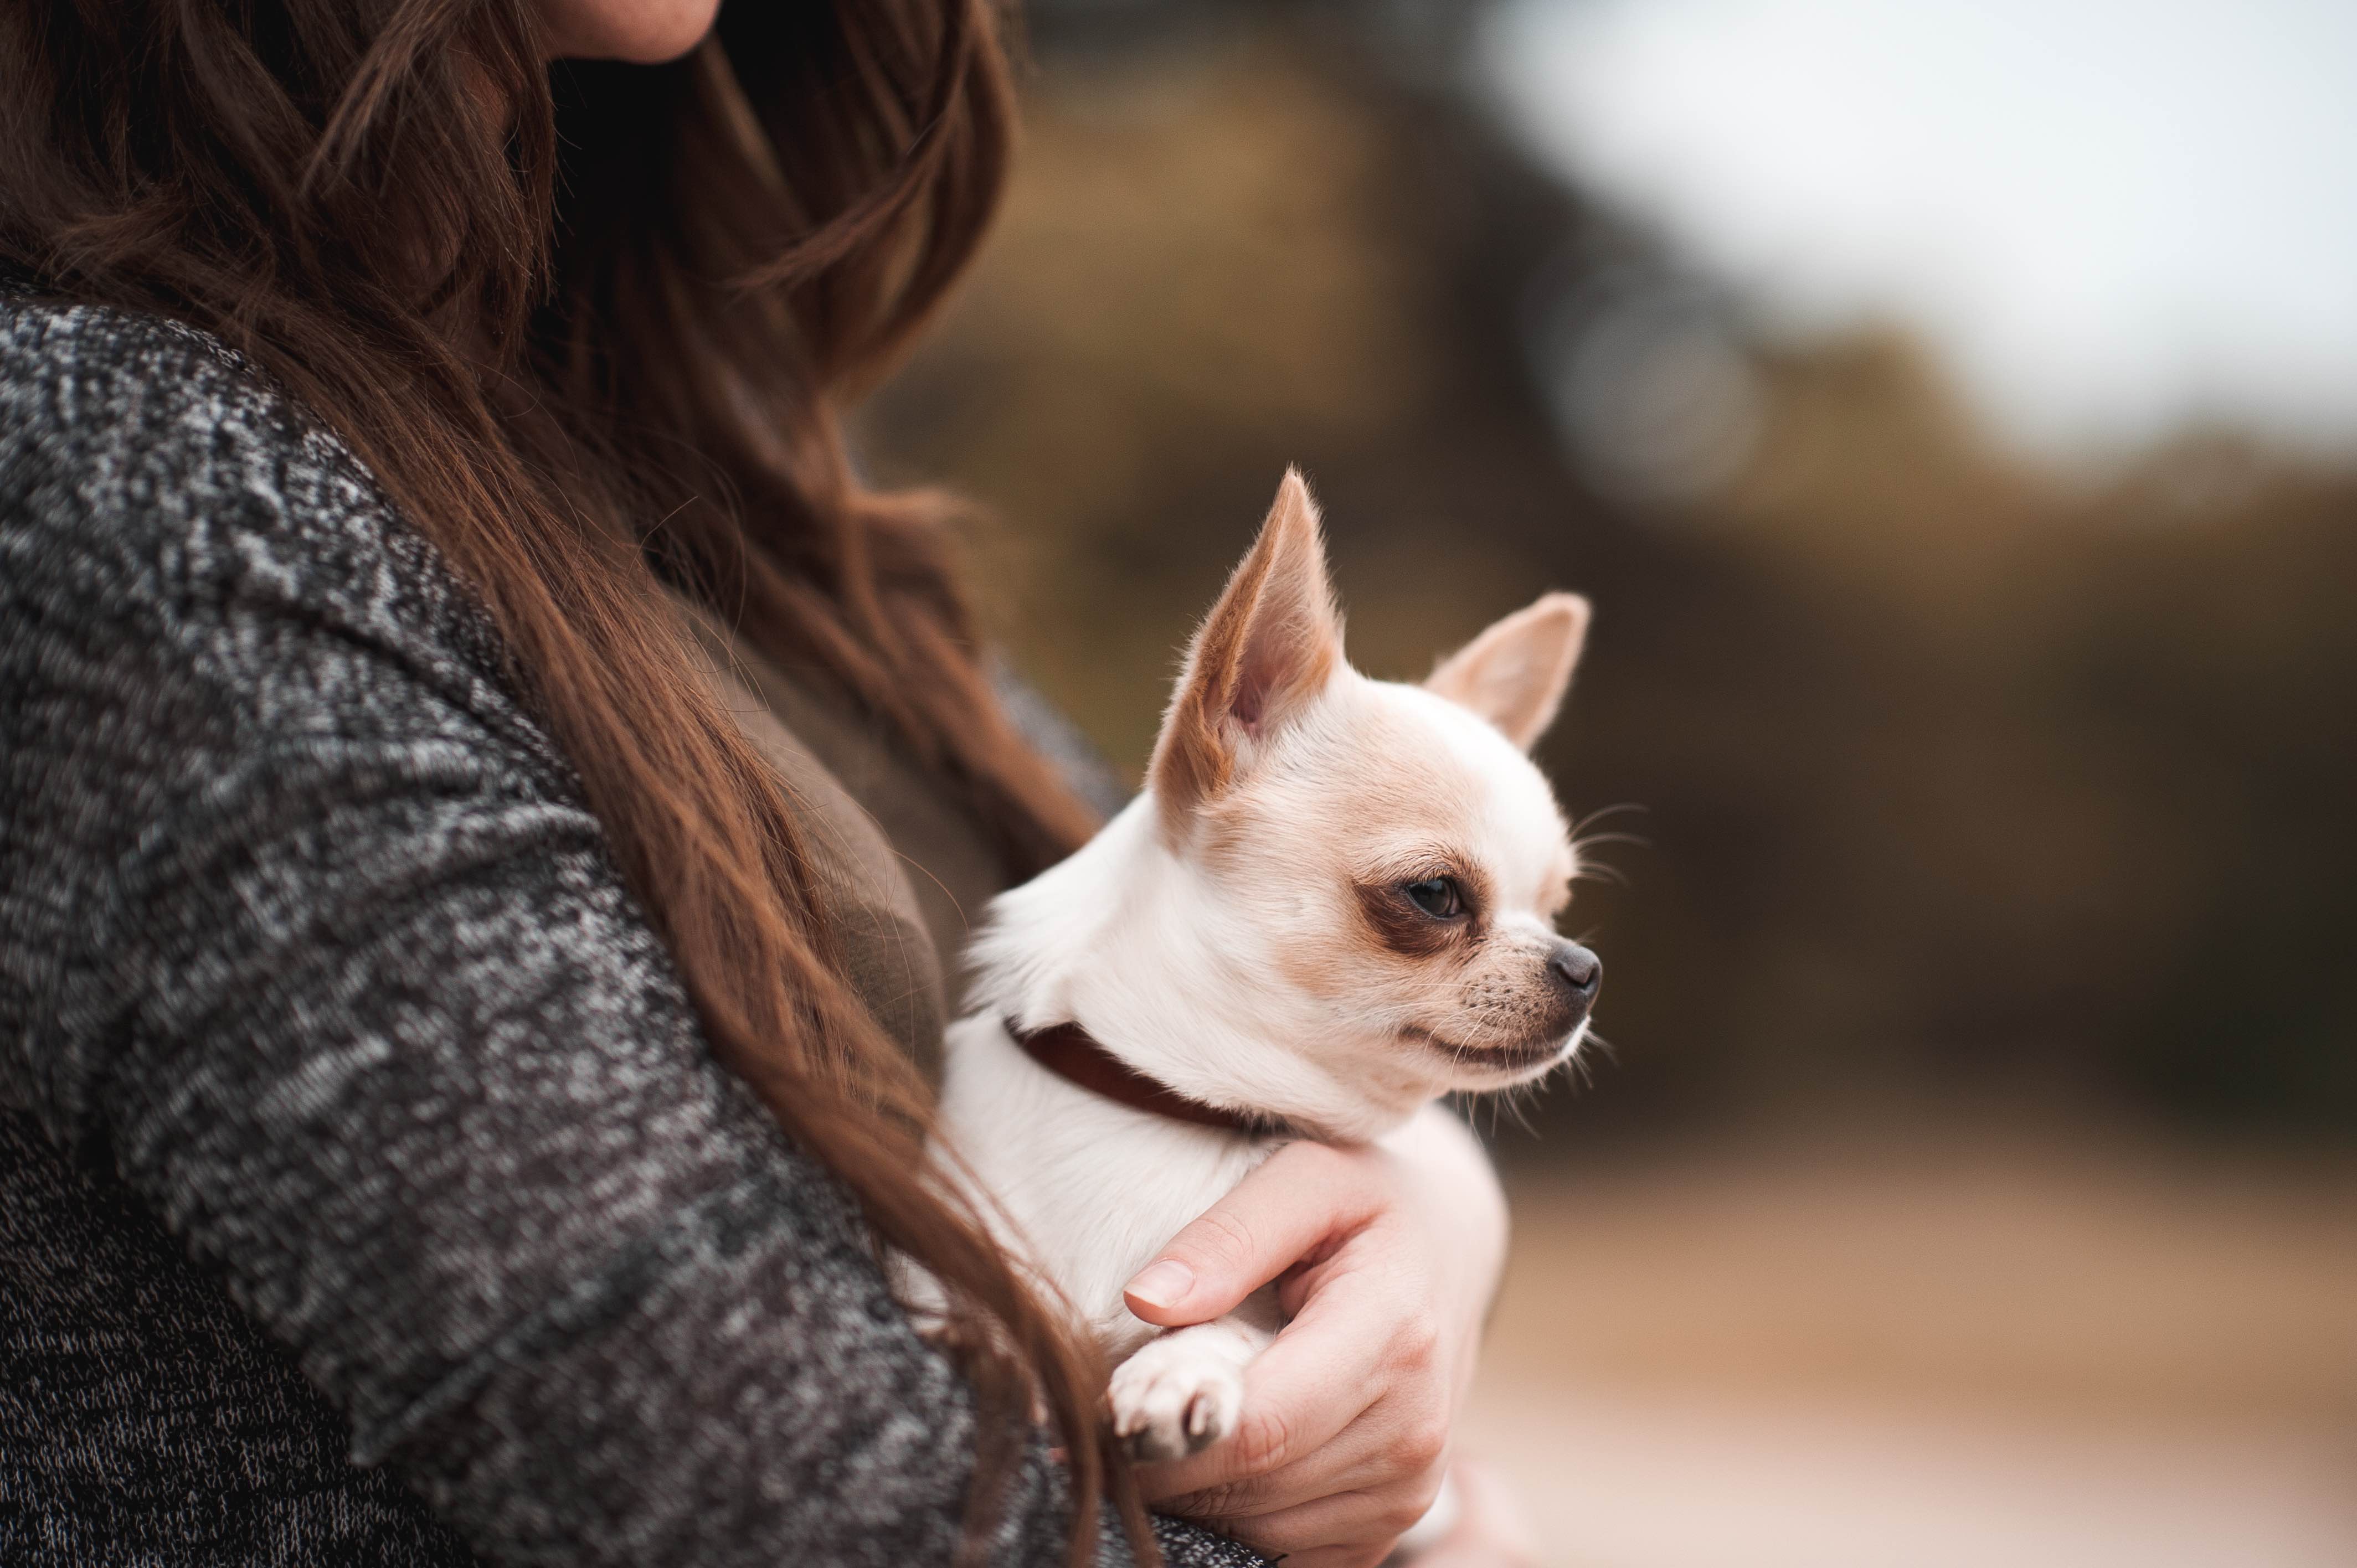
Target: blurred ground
[{"x": 1950, "y": 1346}]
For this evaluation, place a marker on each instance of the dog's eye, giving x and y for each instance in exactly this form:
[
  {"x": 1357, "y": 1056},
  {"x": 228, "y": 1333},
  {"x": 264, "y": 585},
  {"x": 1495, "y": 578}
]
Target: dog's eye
[{"x": 1437, "y": 896}]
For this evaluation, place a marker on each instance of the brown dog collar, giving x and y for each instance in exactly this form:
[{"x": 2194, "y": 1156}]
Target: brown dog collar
[{"x": 1079, "y": 1058}]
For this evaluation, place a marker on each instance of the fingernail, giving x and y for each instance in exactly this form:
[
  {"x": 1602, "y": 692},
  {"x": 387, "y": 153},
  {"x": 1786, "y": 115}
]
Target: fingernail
[{"x": 1163, "y": 1284}]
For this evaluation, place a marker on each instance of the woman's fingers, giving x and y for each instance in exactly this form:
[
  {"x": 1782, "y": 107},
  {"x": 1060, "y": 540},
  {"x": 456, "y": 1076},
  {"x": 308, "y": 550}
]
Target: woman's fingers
[
  {"x": 1347, "y": 1527},
  {"x": 1330, "y": 1366},
  {"x": 1300, "y": 1199},
  {"x": 1393, "y": 1446},
  {"x": 1387, "y": 1254},
  {"x": 1294, "y": 1404}
]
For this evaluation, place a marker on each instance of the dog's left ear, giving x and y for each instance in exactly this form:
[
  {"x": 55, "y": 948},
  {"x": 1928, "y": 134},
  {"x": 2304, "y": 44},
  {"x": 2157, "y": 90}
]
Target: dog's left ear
[
  {"x": 1272, "y": 644},
  {"x": 1515, "y": 674}
]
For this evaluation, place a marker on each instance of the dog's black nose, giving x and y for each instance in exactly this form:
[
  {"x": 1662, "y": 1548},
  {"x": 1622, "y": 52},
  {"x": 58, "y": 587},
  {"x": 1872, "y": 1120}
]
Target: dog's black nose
[{"x": 1580, "y": 970}]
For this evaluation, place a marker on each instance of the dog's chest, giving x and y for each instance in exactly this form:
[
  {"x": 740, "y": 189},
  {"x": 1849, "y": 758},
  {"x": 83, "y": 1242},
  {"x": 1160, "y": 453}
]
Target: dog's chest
[{"x": 1087, "y": 1191}]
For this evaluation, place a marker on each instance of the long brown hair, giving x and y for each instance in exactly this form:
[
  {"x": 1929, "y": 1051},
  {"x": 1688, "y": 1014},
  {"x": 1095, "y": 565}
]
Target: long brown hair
[{"x": 591, "y": 327}]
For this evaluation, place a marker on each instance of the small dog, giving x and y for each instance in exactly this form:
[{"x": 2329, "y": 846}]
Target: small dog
[{"x": 1332, "y": 903}]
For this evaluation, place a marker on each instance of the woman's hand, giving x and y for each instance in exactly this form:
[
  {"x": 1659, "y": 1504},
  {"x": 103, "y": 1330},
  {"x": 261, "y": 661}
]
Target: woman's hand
[{"x": 1389, "y": 1254}]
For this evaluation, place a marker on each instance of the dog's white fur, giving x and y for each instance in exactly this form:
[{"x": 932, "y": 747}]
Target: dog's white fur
[{"x": 1242, "y": 934}]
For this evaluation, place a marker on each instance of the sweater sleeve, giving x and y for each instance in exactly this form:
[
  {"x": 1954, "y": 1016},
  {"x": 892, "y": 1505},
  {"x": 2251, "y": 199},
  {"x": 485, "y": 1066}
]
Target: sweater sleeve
[{"x": 303, "y": 920}]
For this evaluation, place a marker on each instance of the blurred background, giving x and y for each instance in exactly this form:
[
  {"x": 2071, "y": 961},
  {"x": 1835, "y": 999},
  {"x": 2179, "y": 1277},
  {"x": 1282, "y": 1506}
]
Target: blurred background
[{"x": 1951, "y": 408}]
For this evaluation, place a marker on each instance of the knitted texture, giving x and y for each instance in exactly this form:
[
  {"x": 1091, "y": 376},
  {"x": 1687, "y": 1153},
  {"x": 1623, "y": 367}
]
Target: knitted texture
[{"x": 353, "y": 1122}]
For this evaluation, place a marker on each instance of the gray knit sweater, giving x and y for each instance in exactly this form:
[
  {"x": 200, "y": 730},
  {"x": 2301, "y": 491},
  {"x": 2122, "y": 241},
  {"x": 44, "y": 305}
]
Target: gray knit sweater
[{"x": 354, "y": 1128}]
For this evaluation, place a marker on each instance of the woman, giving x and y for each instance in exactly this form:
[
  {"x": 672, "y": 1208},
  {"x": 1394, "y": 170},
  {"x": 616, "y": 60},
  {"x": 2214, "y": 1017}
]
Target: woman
[{"x": 442, "y": 642}]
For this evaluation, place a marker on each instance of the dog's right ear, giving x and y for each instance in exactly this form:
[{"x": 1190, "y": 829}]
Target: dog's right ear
[
  {"x": 1271, "y": 645},
  {"x": 1515, "y": 674}
]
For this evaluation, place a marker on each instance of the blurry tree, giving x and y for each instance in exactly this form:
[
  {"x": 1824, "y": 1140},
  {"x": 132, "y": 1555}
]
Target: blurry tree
[{"x": 1960, "y": 781}]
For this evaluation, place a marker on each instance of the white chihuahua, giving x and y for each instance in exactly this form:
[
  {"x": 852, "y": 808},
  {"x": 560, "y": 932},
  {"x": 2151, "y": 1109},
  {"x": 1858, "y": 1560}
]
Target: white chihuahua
[{"x": 1332, "y": 903}]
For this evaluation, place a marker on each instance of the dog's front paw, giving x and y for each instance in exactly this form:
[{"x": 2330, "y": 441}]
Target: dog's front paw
[{"x": 1174, "y": 1398}]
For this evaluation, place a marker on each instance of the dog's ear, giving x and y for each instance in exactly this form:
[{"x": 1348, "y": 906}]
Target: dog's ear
[
  {"x": 1271, "y": 645},
  {"x": 1515, "y": 674}
]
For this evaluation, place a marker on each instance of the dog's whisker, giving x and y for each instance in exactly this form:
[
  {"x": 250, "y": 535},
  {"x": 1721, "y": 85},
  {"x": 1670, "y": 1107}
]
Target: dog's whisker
[
  {"x": 1582, "y": 824},
  {"x": 1598, "y": 871}
]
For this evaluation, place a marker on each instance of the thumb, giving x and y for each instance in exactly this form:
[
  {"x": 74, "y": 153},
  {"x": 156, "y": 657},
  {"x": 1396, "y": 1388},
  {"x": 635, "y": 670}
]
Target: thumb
[{"x": 1297, "y": 1199}]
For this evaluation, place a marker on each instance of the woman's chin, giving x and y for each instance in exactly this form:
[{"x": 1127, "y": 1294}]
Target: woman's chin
[{"x": 634, "y": 32}]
